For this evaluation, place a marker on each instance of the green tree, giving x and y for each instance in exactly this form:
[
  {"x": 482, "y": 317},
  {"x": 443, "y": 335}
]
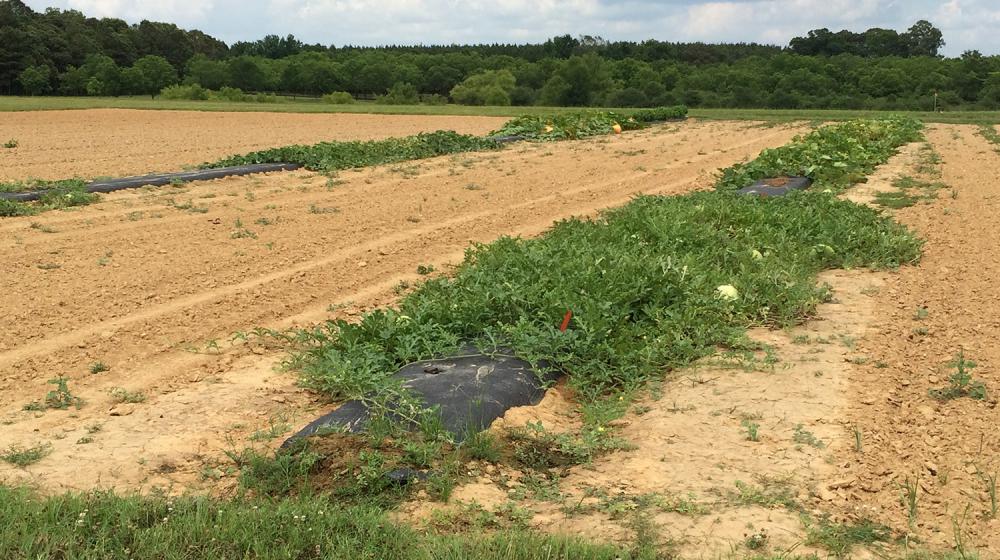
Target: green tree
[
  {"x": 486, "y": 88},
  {"x": 924, "y": 39},
  {"x": 152, "y": 73},
  {"x": 36, "y": 80},
  {"x": 205, "y": 72}
]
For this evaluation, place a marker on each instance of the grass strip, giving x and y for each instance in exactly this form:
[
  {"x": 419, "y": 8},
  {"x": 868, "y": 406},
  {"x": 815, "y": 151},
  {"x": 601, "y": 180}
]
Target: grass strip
[
  {"x": 103, "y": 525},
  {"x": 835, "y": 156}
]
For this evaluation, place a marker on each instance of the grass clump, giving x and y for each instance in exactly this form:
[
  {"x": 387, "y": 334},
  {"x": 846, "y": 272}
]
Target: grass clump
[
  {"x": 961, "y": 384},
  {"x": 106, "y": 525},
  {"x": 841, "y": 538},
  {"x": 834, "y": 156},
  {"x": 122, "y": 395},
  {"x": 24, "y": 456},
  {"x": 11, "y": 144}
]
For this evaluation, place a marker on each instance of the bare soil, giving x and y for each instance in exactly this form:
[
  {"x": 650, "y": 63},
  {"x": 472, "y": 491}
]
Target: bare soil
[
  {"x": 118, "y": 142},
  {"x": 153, "y": 283}
]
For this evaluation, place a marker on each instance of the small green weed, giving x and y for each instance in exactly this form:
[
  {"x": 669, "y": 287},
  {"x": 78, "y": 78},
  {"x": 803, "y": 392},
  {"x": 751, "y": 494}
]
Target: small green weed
[
  {"x": 752, "y": 428},
  {"x": 840, "y": 538},
  {"x": 483, "y": 446},
  {"x": 24, "y": 456},
  {"x": 11, "y": 144},
  {"x": 99, "y": 367},
  {"x": 59, "y": 398},
  {"x": 961, "y": 383},
  {"x": 122, "y": 395},
  {"x": 806, "y": 437}
]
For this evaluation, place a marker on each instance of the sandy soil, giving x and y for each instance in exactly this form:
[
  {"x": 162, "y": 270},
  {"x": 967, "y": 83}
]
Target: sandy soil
[
  {"x": 153, "y": 283},
  {"x": 861, "y": 370},
  {"x": 949, "y": 448},
  {"x": 119, "y": 142}
]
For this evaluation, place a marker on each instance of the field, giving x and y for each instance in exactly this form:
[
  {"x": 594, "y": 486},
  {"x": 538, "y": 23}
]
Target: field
[
  {"x": 104, "y": 142},
  {"x": 130, "y": 362}
]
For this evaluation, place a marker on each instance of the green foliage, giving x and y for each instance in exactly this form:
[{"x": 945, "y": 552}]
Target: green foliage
[
  {"x": 401, "y": 93},
  {"x": 106, "y": 525},
  {"x": 572, "y": 125},
  {"x": 59, "y": 398},
  {"x": 193, "y": 92},
  {"x": 24, "y": 456},
  {"x": 834, "y": 156},
  {"x": 36, "y": 80},
  {"x": 641, "y": 281},
  {"x": 278, "y": 475},
  {"x": 961, "y": 384},
  {"x": 485, "y": 88},
  {"x": 841, "y": 538},
  {"x": 334, "y": 156},
  {"x": 339, "y": 98}
]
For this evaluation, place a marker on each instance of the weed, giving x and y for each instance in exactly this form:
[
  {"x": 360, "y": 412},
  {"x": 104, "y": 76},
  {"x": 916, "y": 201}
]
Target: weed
[
  {"x": 841, "y": 538},
  {"x": 42, "y": 228},
  {"x": 11, "y": 144},
  {"x": 483, "y": 446},
  {"x": 121, "y": 395},
  {"x": 263, "y": 221},
  {"x": 961, "y": 384},
  {"x": 313, "y": 209},
  {"x": 24, "y": 456},
  {"x": 771, "y": 493},
  {"x": 858, "y": 440},
  {"x": 921, "y": 314},
  {"x": 806, "y": 437},
  {"x": 241, "y": 232},
  {"x": 756, "y": 540},
  {"x": 910, "y": 496},
  {"x": 99, "y": 367},
  {"x": 537, "y": 448},
  {"x": 275, "y": 429},
  {"x": 59, "y": 398},
  {"x": 85, "y": 440},
  {"x": 990, "y": 480},
  {"x": 424, "y": 270},
  {"x": 752, "y": 430},
  {"x": 279, "y": 475},
  {"x": 473, "y": 187}
]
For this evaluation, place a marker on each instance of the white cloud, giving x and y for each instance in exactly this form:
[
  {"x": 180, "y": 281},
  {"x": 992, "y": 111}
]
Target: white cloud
[
  {"x": 967, "y": 24},
  {"x": 174, "y": 11}
]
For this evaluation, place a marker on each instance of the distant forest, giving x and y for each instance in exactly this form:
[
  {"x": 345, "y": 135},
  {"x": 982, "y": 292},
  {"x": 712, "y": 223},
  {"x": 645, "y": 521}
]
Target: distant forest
[{"x": 66, "y": 53}]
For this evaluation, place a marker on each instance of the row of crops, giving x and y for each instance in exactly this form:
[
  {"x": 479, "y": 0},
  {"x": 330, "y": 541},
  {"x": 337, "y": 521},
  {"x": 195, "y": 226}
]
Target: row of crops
[
  {"x": 330, "y": 157},
  {"x": 643, "y": 281}
]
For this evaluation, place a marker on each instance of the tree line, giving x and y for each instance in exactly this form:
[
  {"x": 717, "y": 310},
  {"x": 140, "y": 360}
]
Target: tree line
[{"x": 66, "y": 53}]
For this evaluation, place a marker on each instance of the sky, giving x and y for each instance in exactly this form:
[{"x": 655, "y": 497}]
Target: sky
[{"x": 966, "y": 24}]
